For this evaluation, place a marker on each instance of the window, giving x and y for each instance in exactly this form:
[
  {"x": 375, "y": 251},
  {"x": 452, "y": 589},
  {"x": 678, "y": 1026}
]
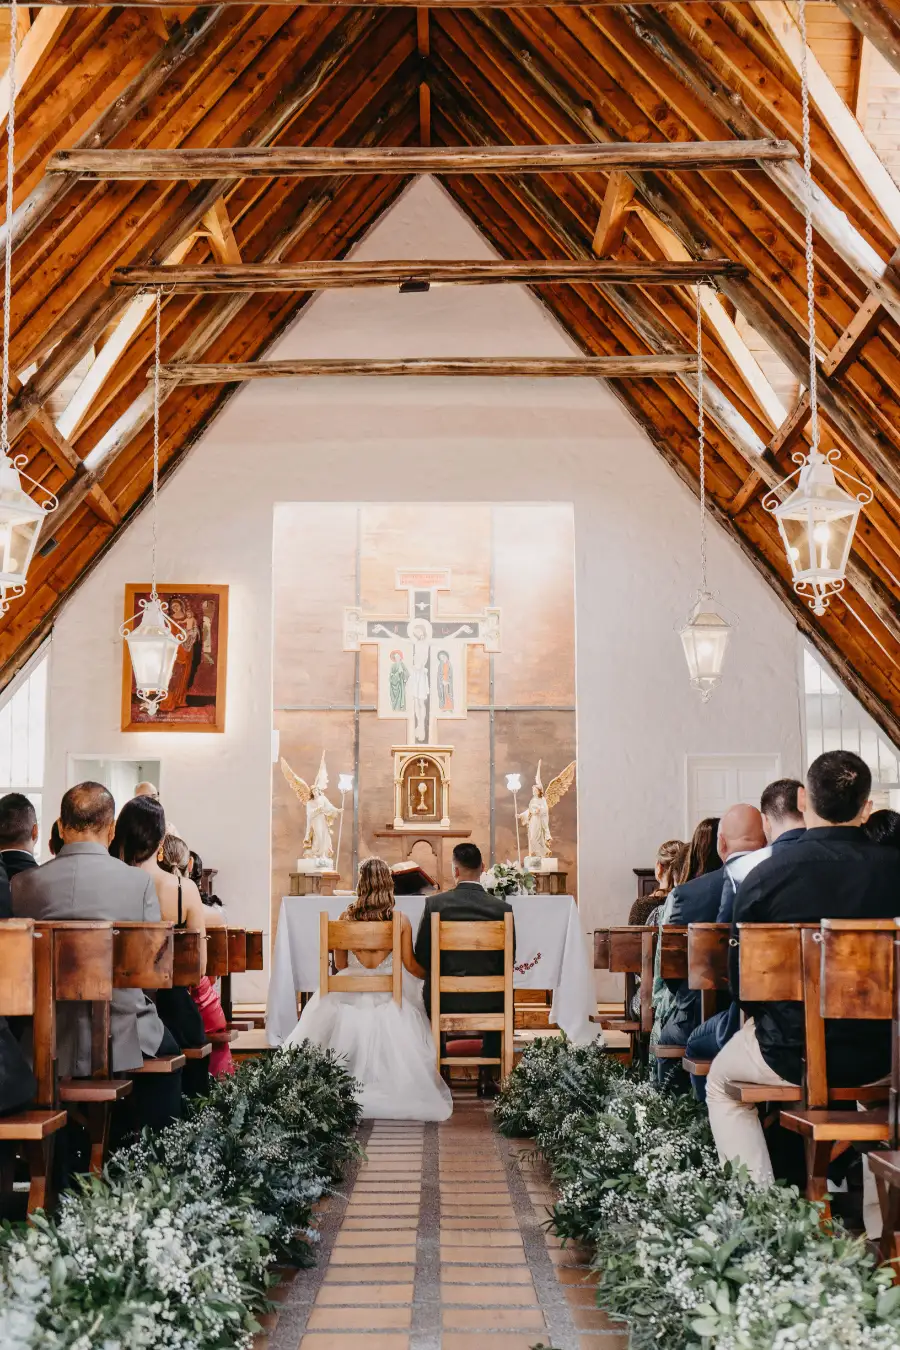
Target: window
[
  {"x": 23, "y": 713},
  {"x": 835, "y": 721}
]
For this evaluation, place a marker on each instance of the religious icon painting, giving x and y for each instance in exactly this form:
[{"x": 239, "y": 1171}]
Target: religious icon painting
[{"x": 196, "y": 697}]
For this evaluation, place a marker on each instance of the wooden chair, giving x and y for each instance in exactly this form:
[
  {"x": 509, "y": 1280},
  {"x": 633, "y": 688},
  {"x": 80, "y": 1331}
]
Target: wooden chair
[
  {"x": 848, "y": 972},
  {"x": 673, "y": 965},
  {"x": 342, "y": 935},
  {"x": 74, "y": 964},
  {"x": 30, "y": 1131},
  {"x": 707, "y": 957},
  {"x": 489, "y": 936}
]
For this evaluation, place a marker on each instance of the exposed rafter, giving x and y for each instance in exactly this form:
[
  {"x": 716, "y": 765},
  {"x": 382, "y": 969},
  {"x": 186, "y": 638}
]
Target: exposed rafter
[{"x": 522, "y": 367}]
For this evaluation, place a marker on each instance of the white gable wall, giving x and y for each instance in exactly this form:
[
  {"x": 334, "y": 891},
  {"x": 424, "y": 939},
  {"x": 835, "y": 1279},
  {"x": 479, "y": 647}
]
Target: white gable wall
[{"x": 445, "y": 441}]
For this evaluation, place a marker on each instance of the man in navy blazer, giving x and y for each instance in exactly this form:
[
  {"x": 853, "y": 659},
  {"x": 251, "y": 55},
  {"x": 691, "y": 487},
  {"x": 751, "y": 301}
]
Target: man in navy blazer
[{"x": 699, "y": 901}]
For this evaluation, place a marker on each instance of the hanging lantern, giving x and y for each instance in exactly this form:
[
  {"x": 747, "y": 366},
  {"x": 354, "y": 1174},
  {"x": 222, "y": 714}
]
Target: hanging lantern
[
  {"x": 21, "y": 518},
  {"x": 152, "y": 646},
  {"x": 705, "y": 637},
  {"x": 817, "y": 521},
  {"x": 155, "y": 638}
]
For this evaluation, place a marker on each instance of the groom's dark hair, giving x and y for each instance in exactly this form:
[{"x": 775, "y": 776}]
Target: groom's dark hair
[{"x": 468, "y": 857}]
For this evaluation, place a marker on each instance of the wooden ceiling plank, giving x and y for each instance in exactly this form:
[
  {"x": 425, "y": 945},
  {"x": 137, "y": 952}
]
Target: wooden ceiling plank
[
  {"x": 616, "y": 203},
  {"x": 36, "y": 41},
  {"x": 840, "y": 121},
  {"x": 529, "y": 367},
  {"x": 280, "y": 160},
  {"x": 879, "y": 22}
]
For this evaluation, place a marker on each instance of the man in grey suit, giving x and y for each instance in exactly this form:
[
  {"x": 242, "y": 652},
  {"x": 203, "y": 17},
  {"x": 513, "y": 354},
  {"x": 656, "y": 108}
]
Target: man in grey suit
[{"x": 84, "y": 882}]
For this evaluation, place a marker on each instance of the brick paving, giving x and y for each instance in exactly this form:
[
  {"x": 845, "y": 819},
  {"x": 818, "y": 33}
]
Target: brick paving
[{"x": 439, "y": 1244}]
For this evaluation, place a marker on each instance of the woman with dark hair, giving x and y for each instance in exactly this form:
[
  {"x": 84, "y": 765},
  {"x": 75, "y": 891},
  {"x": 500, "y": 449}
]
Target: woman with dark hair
[
  {"x": 388, "y": 1046},
  {"x": 883, "y": 827},
  {"x": 703, "y": 854},
  {"x": 137, "y": 841},
  {"x": 670, "y": 859}
]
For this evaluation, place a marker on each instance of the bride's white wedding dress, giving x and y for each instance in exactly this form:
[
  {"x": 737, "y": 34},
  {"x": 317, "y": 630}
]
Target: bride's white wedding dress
[{"x": 389, "y": 1048}]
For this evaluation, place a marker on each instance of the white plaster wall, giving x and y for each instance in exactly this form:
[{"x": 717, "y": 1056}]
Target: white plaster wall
[{"x": 424, "y": 440}]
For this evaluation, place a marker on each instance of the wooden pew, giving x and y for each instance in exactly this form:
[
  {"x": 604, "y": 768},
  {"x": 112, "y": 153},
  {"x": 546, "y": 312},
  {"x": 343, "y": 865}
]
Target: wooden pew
[
  {"x": 144, "y": 958},
  {"x": 74, "y": 964},
  {"x": 32, "y": 1130},
  {"x": 629, "y": 951},
  {"x": 707, "y": 956},
  {"x": 848, "y": 972},
  {"x": 673, "y": 965},
  {"x": 885, "y": 1165},
  {"x": 187, "y": 970}
]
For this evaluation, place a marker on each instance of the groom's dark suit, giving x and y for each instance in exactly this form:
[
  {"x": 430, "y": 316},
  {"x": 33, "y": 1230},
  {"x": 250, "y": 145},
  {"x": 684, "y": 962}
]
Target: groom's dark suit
[{"x": 468, "y": 902}]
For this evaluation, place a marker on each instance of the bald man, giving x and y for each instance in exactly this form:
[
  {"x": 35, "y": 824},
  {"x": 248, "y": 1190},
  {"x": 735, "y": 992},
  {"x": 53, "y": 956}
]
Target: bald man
[{"x": 699, "y": 901}]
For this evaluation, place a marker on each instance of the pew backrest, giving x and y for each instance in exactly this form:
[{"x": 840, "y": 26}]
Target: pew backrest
[
  {"x": 237, "y": 950},
  {"x": 143, "y": 955},
  {"x": 16, "y": 967},
  {"x": 857, "y": 968},
  {"x": 707, "y": 947},
  {"x": 216, "y": 952},
  {"x": 771, "y": 963},
  {"x": 188, "y": 964},
  {"x": 673, "y": 952},
  {"x": 255, "y": 949}
]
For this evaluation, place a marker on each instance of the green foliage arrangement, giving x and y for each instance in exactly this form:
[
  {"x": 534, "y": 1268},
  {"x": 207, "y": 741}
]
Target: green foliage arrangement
[
  {"x": 693, "y": 1254},
  {"x": 171, "y": 1249}
]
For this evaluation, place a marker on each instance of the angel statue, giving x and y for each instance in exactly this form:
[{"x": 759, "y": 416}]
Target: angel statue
[
  {"x": 320, "y": 813},
  {"x": 537, "y": 815}
]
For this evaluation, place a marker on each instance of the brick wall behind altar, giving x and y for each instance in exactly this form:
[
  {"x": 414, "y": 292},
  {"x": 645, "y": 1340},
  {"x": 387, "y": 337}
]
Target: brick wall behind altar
[
  {"x": 563, "y": 441},
  {"x": 519, "y": 557}
]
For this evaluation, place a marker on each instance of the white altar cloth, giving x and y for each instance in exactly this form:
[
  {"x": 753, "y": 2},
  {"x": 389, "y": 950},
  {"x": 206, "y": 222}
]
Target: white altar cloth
[{"x": 551, "y": 953}]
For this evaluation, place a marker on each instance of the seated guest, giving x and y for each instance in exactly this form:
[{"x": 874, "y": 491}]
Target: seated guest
[
  {"x": 883, "y": 827},
  {"x": 832, "y": 871},
  {"x": 18, "y": 833},
  {"x": 139, "y": 835},
  {"x": 467, "y": 902},
  {"x": 147, "y": 789},
  {"x": 782, "y": 824},
  {"x": 54, "y": 843},
  {"x": 740, "y": 833},
  {"x": 175, "y": 857},
  {"x": 670, "y": 858},
  {"x": 84, "y": 882}
]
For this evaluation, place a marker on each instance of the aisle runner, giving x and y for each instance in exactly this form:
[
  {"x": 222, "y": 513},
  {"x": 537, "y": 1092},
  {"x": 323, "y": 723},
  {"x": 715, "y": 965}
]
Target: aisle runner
[{"x": 440, "y": 1246}]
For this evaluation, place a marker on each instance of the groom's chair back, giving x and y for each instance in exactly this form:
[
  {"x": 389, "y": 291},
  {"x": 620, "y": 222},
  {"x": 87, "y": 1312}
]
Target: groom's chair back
[
  {"x": 492, "y": 935},
  {"x": 344, "y": 935}
]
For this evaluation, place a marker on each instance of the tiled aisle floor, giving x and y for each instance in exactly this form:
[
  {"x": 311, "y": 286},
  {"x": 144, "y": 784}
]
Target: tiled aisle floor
[{"x": 441, "y": 1246}]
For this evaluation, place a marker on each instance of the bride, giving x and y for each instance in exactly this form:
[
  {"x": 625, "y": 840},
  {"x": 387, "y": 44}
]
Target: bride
[{"x": 388, "y": 1046}]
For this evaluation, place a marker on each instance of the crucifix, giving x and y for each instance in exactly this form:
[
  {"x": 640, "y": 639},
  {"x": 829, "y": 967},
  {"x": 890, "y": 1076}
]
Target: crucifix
[{"x": 422, "y": 656}]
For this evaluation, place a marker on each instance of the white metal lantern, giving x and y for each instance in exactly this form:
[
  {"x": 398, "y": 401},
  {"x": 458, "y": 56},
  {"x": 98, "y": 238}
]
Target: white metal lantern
[
  {"x": 21, "y": 518},
  {"x": 152, "y": 646},
  {"x": 705, "y": 638},
  {"x": 817, "y": 521}
]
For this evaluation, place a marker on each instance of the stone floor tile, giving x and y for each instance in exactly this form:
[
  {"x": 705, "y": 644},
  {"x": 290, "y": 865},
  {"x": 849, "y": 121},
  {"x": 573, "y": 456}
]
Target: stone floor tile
[
  {"x": 491, "y": 1295},
  {"x": 377, "y": 1274},
  {"x": 493, "y": 1238},
  {"x": 378, "y": 1238},
  {"x": 354, "y": 1340},
  {"x": 484, "y": 1275},
  {"x": 361, "y": 1256},
  {"x": 475, "y": 1340},
  {"x": 492, "y": 1319},
  {"x": 331, "y": 1294},
  {"x": 359, "y": 1319}
]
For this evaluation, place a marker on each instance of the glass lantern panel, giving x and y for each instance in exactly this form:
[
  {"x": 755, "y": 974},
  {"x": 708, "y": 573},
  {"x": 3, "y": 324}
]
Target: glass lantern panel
[
  {"x": 17, "y": 543},
  {"x": 705, "y": 645},
  {"x": 152, "y": 659}
]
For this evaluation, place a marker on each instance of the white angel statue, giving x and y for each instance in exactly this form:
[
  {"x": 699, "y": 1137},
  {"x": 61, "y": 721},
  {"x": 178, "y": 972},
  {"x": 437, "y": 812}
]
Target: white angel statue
[
  {"x": 536, "y": 817},
  {"x": 320, "y": 812}
]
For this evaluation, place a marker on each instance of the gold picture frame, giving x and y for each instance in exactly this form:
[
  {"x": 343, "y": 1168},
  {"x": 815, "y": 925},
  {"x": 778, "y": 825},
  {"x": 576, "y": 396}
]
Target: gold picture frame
[{"x": 196, "y": 700}]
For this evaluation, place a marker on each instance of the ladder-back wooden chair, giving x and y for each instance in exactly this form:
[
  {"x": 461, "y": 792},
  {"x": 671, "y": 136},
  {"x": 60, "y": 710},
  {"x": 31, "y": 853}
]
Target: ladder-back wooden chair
[
  {"x": 492, "y": 935},
  {"x": 343, "y": 935},
  {"x": 707, "y": 956},
  {"x": 848, "y": 973},
  {"x": 31, "y": 1131},
  {"x": 74, "y": 964}
]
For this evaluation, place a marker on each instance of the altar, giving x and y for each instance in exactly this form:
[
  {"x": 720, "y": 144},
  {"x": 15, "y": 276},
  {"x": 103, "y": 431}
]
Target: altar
[{"x": 551, "y": 953}]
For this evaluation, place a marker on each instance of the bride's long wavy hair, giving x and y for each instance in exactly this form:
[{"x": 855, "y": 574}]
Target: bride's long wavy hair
[{"x": 374, "y": 893}]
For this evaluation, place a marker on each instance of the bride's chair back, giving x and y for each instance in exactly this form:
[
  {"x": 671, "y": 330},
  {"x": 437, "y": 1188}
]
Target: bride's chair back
[{"x": 345, "y": 935}]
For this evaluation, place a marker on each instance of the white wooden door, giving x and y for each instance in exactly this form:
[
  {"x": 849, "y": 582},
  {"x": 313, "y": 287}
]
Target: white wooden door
[{"x": 715, "y": 782}]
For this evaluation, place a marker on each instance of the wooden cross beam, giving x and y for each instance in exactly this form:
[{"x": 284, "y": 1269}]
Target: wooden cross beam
[
  {"x": 596, "y": 367},
  {"x": 879, "y": 21},
  {"x": 320, "y": 276},
  {"x": 279, "y": 161}
]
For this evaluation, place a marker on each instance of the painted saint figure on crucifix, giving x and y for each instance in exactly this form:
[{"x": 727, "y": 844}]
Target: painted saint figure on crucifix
[{"x": 422, "y": 656}]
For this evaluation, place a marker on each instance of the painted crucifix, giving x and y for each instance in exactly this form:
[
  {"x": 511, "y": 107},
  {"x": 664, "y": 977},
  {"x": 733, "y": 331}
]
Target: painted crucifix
[{"x": 422, "y": 656}]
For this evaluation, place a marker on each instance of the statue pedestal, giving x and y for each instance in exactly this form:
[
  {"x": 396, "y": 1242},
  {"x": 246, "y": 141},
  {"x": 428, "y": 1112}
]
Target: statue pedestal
[
  {"x": 314, "y": 883},
  {"x": 435, "y": 837},
  {"x": 550, "y": 883}
]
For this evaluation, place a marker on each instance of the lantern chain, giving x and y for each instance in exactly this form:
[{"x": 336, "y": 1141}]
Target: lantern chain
[
  {"x": 7, "y": 261},
  {"x": 701, "y": 439},
  {"x": 807, "y": 209},
  {"x": 155, "y": 447}
]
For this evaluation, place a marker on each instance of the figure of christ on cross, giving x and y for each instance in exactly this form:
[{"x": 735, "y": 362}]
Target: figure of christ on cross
[{"x": 422, "y": 658}]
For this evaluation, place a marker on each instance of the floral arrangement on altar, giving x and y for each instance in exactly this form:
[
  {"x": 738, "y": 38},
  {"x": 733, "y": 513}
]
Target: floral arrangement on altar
[
  {"x": 692, "y": 1253},
  {"x": 173, "y": 1247},
  {"x": 508, "y": 879}
]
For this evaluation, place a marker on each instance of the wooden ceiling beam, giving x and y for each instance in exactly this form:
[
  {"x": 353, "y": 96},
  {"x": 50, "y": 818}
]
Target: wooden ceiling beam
[
  {"x": 529, "y": 367},
  {"x": 857, "y": 333},
  {"x": 35, "y": 42},
  {"x": 217, "y": 225},
  {"x": 277, "y": 161},
  {"x": 616, "y": 204},
  {"x": 792, "y": 428},
  {"x": 319, "y": 276},
  {"x": 879, "y": 21}
]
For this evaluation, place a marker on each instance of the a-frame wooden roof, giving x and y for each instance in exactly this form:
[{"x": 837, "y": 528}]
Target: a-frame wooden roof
[{"x": 233, "y": 75}]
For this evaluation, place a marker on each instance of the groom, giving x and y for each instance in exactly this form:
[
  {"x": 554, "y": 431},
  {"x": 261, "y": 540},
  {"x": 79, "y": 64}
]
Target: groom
[{"x": 468, "y": 902}]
